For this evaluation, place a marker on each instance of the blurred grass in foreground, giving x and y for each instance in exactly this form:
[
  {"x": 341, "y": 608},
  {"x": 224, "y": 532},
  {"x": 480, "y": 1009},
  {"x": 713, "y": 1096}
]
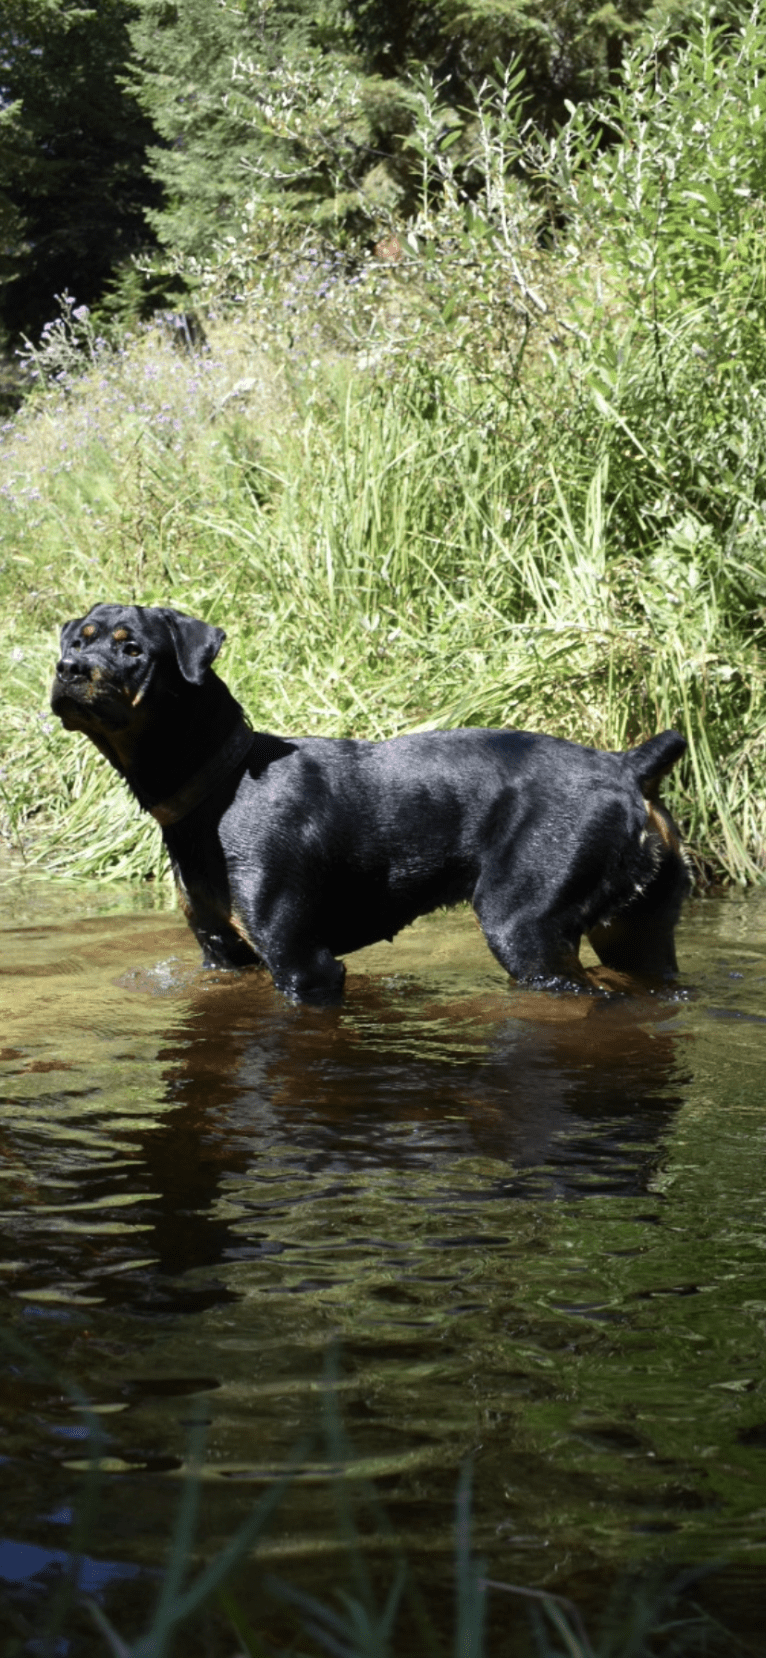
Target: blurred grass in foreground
[{"x": 649, "y": 1613}]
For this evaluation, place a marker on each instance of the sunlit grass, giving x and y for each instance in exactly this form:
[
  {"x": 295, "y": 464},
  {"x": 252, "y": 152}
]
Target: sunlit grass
[{"x": 383, "y": 554}]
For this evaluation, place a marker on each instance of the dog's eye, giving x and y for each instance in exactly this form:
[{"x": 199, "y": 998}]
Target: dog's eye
[{"x": 131, "y": 649}]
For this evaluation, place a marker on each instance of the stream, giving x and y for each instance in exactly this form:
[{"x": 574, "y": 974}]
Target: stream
[{"x": 451, "y": 1219}]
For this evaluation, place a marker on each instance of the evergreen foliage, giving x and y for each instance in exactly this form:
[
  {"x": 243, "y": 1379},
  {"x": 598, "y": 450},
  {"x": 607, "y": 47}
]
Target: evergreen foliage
[
  {"x": 232, "y": 91},
  {"x": 567, "y": 49},
  {"x": 133, "y": 121},
  {"x": 73, "y": 190}
]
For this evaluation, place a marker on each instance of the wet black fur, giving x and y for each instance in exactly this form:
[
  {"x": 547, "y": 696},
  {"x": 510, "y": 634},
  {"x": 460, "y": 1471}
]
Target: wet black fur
[{"x": 312, "y": 847}]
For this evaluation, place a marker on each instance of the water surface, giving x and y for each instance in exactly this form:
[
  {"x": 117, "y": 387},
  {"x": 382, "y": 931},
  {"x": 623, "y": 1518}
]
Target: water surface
[{"x": 521, "y": 1226}]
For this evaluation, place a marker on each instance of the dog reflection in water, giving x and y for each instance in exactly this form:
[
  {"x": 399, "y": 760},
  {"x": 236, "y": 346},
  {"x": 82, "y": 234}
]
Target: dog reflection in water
[
  {"x": 441, "y": 1060},
  {"x": 292, "y": 851}
]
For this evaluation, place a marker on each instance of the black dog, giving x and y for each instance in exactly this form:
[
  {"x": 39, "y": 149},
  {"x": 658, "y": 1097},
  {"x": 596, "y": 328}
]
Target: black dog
[{"x": 291, "y": 851}]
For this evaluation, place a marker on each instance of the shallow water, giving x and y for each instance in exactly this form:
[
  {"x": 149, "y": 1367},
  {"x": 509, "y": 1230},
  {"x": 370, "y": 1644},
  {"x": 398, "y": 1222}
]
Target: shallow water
[{"x": 521, "y": 1226}]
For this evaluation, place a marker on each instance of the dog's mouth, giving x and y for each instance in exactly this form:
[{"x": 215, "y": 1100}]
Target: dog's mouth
[{"x": 85, "y": 702}]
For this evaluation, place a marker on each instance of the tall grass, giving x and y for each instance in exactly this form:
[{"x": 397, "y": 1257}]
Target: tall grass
[
  {"x": 379, "y": 562},
  {"x": 549, "y": 515}
]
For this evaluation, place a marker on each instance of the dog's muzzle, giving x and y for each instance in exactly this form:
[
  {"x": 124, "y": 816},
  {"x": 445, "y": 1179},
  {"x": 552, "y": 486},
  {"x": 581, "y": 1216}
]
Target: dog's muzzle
[
  {"x": 71, "y": 677},
  {"x": 84, "y": 686}
]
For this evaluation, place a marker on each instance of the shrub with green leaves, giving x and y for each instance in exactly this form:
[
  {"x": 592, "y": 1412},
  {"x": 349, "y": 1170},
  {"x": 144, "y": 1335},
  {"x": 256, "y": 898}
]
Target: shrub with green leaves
[{"x": 668, "y": 224}]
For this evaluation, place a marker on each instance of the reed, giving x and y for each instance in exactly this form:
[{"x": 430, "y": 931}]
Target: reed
[
  {"x": 552, "y": 520},
  {"x": 376, "y": 570}
]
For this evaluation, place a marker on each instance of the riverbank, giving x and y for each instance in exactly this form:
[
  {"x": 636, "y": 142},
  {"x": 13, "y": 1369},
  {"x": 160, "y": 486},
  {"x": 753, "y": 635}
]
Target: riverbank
[{"x": 513, "y": 476}]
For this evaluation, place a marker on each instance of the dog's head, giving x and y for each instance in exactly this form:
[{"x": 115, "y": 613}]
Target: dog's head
[{"x": 118, "y": 660}]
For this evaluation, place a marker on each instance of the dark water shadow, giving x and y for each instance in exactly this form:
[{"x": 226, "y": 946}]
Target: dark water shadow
[
  {"x": 210, "y": 1186},
  {"x": 567, "y": 1096},
  {"x": 440, "y": 1076}
]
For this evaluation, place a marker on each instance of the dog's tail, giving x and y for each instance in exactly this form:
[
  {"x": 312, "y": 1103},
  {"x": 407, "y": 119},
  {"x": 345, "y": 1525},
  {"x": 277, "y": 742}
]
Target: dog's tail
[{"x": 653, "y": 760}]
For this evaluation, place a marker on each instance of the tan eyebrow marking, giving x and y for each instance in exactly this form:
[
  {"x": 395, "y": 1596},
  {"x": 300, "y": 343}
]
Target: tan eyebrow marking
[
  {"x": 120, "y": 633},
  {"x": 88, "y": 631}
]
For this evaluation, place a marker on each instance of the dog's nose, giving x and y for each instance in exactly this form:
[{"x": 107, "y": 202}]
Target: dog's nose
[{"x": 72, "y": 667}]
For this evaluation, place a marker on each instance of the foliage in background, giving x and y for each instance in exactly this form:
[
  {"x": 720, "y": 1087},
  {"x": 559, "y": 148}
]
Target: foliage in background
[
  {"x": 673, "y": 218},
  {"x": 142, "y": 119},
  {"x": 307, "y": 115},
  {"x": 73, "y": 190},
  {"x": 568, "y": 49},
  {"x": 190, "y": 62},
  {"x": 513, "y": 475}
]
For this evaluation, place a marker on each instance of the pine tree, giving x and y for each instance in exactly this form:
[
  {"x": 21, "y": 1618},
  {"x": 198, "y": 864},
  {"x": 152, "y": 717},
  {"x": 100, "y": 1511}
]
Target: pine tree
[
  {"x": 216, "y": 82},
  {"x": 73, "y": 189},
  {"x": 567, "y": 49}
]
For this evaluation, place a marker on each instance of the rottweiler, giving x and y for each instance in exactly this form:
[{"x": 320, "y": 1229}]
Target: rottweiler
[{"x": 291, "y": 851}]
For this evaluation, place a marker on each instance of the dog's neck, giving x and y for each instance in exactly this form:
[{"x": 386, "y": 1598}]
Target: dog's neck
[
  {"x": 207, "y": 778},
  {"x": 175, "y": 764}
]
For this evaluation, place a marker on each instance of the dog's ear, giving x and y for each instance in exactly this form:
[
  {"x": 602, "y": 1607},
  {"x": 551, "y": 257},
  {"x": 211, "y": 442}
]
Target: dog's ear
[
  {"x": 196, "y": 644},
  {"x": 653, "y": 760}
]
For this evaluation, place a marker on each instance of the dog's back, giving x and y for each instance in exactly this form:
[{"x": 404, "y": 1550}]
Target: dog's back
[{"x": 547, "y": 839}]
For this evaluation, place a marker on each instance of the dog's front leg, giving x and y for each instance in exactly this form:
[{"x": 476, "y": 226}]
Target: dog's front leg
[
  {"x": 640, "y": 945},
  {"x": 533, "y": 948},
  {"x": 307, "y": 975},
  {"x": 222, "y": 947},
  {"x": 226, "y": 950},
  {"x": 222, "y": 942}
]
